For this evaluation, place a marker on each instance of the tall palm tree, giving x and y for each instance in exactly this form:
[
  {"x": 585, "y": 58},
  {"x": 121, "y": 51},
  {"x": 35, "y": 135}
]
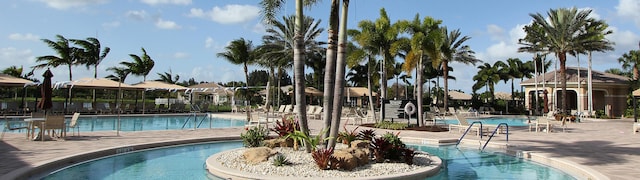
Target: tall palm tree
[
  {"x": 141, "y": 65},
  {"x": 381, "y": 37},
  {"x": 513, "y": 71},
  {"x": 631, "y": 62},
  {"x": 341, "y": 62},
  {"x": 14, "y": 71},
  {"x": 405, "y": 79},
  {"x": 454, "y": 50},
  {"x": 360, "y": 54},
  {"x": 240, "y": 52},
  {"x": 426, "y": 39},
  {"x": 119, "y": 74},
  {"x": 564, "y": 31},
  {"x": 488, "y": 75},
  {"x": 92, "y": 56}
]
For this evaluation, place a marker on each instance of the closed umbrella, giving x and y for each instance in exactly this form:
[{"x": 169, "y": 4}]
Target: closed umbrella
[{"x": 45, "y": 90}]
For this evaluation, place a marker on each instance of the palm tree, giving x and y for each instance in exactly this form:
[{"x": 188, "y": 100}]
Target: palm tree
[
  {"x": 426, "y": 38},
  {"x": 141, "y": 65},
  {"x": 119, "y": 74},
  {"x": 92, "y": 56},
  {"x": 631, "y": 62},
  {"x": 488, "y": 75},
  {"x": 240, "y": 52},
  {"x": 453, "y": 50},
  {"x": 397, "y": 71},
  {"x": 382, "y": 38},
  {"x": 513, "y": 71},
  {"x": 67, "y": 55},
  {"x": 168, "y": 77},
  {"x": 564, "y": 31},
  {"x": 357, "y": 55},
  {"x": 14, "y": 71},
  {"x": 406, "y": 82}
]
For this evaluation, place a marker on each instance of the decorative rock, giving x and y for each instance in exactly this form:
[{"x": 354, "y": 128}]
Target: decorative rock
[
  {"x": 360, "y": 144},
  {"x": 349, "y": 161},
  {"x": 278, "y": 142},
  {"x": 258, "y": 154}
]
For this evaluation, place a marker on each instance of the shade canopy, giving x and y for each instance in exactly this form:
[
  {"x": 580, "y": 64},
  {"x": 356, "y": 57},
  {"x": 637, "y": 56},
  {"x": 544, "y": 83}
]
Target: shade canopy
[
  {"x": 357, "y": 92},
  {"x": 99, "y": 83},
  {"x": 307, "y": 90},
  {"x": 210, "y": 88},
  {"x": 7, "y": 80},
  {"x": 158, "y": 85},
  {"x": 455, "y": 95}
]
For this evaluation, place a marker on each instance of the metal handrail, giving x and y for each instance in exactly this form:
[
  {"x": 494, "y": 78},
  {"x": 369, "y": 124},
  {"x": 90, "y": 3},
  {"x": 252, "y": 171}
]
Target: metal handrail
[
  {"x": 469, "y": 128},
  {"x": 494, "y": 132}
]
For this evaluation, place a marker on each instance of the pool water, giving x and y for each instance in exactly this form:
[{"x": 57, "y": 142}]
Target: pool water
[
  {"x": 145, "y": 123},
  {"x": 188, "y": 161},
  {"x": 511, "y": 121}
]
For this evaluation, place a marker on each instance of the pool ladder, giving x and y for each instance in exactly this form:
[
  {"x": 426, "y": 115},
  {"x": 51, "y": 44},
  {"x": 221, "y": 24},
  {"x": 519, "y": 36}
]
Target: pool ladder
[
  {"x": 481, "y": 134},
  {"x": 195, "y": 110}
]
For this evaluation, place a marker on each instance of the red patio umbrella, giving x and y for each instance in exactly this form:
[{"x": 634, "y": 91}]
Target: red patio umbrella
[{"x": 45, "y": 90}]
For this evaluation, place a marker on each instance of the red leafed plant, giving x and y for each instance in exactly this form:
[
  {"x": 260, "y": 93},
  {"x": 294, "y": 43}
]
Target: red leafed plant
[
  {"x": 322, "y": 157},
  {"x": 285, "y": 127}
]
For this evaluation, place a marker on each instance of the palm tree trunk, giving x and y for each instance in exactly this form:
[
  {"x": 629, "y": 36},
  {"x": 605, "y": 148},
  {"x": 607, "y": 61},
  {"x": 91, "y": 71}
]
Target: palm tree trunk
[
  {"x": 330, "y": 69},
  {"x": 68, "y": 99},
  {"x": 419, "y": 87},
  {"x": 93, "y": 92},
  {"x": 445, "y": 69},
  {"x": 563, "y": 75},
  {"x": 383, "y": 88},
  {"x": 369, "y": 86},
  {"x": 247, "y": 97},
  {"x": 340, "y": 71},
  {"x": 298, "y": 72}
]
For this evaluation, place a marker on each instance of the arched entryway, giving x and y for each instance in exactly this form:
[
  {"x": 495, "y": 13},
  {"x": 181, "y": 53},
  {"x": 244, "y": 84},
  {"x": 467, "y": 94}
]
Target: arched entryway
[{"x": 572, "y": 99}]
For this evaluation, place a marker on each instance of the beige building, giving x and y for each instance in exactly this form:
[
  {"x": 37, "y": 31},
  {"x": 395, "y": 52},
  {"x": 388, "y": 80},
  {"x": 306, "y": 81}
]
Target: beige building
[{"x": 609, "y": 91}]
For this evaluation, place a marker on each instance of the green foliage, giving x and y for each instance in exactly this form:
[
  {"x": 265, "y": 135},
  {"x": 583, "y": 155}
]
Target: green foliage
[
  {"x": 393, "y": 139},
  {"x": 367, "y": 134},
  {"x": 601, "y": 114},
  {"x": 347, "y": 136},
  {"x": 280, "y": 160},
  {"x": 389, "y": 147},
  {"x": 390, "y": 125},
  {"x": 297, "y": 137},
  {"x": 254, "y": 137},
  {"x": 315, "y": 140}
]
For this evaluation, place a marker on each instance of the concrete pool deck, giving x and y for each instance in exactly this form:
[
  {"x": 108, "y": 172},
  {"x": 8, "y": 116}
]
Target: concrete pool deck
[{"x": 606, "y": 146}]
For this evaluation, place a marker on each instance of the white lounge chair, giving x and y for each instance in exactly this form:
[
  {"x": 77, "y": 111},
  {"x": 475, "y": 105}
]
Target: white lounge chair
[
  {"x": 73, "y": 124},
  {"x": 463, "y": 125},
  {"x": 636, "y": 127}
]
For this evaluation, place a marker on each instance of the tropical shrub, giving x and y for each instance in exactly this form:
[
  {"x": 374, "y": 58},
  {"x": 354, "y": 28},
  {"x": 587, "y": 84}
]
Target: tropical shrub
[
  {"x": 280, "y": 160},
  {"x": 347, "y": 136},
  {"x": 322, "y": 157},
  {"x": 286, "y": 126},
  {"x": 367, "y": 134},
  {"x": 254, "y": 136}
]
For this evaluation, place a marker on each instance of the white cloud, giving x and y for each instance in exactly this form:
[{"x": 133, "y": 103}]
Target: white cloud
[
  {"x": 629, "y": 9},
  {"x": 181, "y": 55},
  {"x": 11, "y": 56},
  {"x": 229, "y": 14},
  {"x": 109, "y": 25},
  {"x": 24, "y": 37},
  {"x": 208, "y": 42},
  {"x": 137, "y": 15},
  {"x": 507, "y": 47},
  {"x": 162, "y": 24},
  {"x": 176, "y": 2},
  {"x": 67, "y": 4},
  {"x": 495, "y": 31},
  {"x": 259, "y": 28}
]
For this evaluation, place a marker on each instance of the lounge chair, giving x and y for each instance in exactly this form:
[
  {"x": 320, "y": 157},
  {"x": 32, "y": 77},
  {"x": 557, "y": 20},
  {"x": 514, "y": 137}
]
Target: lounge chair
[
  {"x": 310, "y": 110},
  {"x": 547, "y": 124},
  {"x": 493, "y": 111},
  {"x": 551, "y": 115},
  {"x": 317, "y": 114},
  {"x": 51, "y": 124},
  {"x": 636, "y": 127},
  {"x": 257, "y": 120},
  {"x": 463, "y": 125},
  {"x": 12, "y": 126},
  {"x": 73, "y": 124}
]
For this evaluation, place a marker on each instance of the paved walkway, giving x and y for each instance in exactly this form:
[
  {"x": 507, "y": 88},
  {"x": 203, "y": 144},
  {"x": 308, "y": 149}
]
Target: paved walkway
[{"x": 606, "y": 146}]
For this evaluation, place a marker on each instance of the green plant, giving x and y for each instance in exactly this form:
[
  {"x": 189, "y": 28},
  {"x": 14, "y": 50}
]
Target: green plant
[
  {"x": 322, "y": 157},
  {"x": 315, "y": 140},
  {"x": 348, "y": 136},
  {"x": 367, "y": 134},
  {"x": 254, "y": 136},
  {"x": 280, "y": 160},
  {"x": 297, "y": 137},
  {"x": 390, "y": 125},
  {"x": 379, "y": 146},
  {"x": 393, "y": 139},
  {"x": 286, "y": 126}
]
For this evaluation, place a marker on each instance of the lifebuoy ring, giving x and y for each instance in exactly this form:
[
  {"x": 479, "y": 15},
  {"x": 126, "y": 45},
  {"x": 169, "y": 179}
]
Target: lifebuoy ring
[{"x": 409, "y": 108}]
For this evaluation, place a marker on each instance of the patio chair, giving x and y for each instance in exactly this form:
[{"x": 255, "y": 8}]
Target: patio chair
[
  {"x": 12, "y": 126},
  {"x": 73, "y": 124},
  {"x": 317, "y": 113},
  {"x": 51, "y": 124},
  {"x": 257, "y": 120},
  {"x": 636, "y": 127},
  {"x": 452, "y": 111},
  {"x": 493, "y": 111},
  {"x": 310, "y": 110},
  {"x": 463, "y": 125},
  {"x": 547, "y": 124}
]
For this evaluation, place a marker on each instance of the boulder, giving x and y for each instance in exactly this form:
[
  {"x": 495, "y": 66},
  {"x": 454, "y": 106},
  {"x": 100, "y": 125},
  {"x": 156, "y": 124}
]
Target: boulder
[
  {"x": 257, "y": 154},
  {"x": 361, "y": 154},
  {"x": 348, "y": 160},
  {"x": 360, "y": 144},
  {"x": 278, "y": 142}
]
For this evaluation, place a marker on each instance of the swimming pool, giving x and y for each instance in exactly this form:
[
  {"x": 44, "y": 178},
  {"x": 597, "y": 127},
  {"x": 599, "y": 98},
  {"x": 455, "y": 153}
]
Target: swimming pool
[
  {"x": 146, "y": 123},
  {"x": 511, "y": 121},
  {"x": 187, "y": 162}
]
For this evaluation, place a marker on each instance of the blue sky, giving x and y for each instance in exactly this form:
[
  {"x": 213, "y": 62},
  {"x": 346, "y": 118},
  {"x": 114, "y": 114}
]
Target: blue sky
[{"x": 184, "y": 35}]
